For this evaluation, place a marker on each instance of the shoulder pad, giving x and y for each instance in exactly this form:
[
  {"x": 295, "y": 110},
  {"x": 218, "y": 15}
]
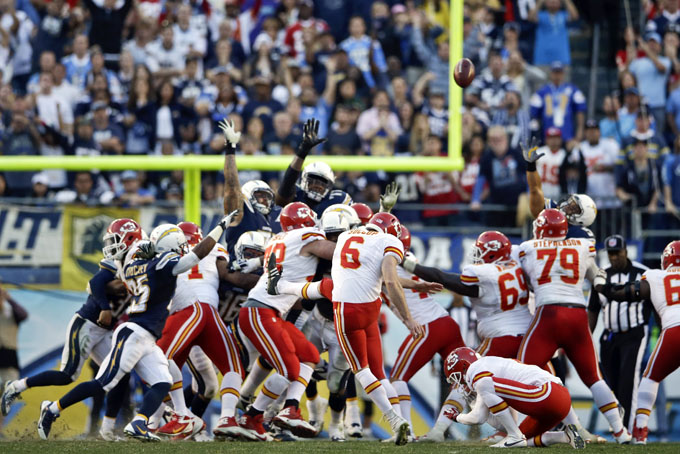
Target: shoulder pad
[
  {"x": 108, "y": 265},
  {"x": 166, "y": 258}
]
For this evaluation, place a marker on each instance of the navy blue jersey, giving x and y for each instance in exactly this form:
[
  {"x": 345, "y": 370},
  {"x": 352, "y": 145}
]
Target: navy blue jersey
[
  {"x": 575, "y": 231},
  {"x": 152, "y": 285},
  {"x": 334, "y": 196},
  {"x": 274, "y": 219},
  {"x": 231, "y": 299},
  {"x": 97, "y": 299},
  {"x": 252, "y": 220}
]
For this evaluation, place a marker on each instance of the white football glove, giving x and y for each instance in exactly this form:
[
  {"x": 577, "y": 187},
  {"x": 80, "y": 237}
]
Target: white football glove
[
  {"x": 389, "y": 198},
  {"x": 410, "y": 262},
  {"x": 600, "y": 278},
  {"x": 247, "y": 265},
  {"x": 229, "y": 132}
]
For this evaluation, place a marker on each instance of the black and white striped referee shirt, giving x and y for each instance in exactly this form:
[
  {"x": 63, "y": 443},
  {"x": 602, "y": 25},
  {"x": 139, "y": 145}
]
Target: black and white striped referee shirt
[{"x": 621, "y": 316}]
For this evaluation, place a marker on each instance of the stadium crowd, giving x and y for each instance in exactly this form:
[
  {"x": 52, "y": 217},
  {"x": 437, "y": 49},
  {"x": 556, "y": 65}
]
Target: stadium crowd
[{"x": 129, "y": 77}]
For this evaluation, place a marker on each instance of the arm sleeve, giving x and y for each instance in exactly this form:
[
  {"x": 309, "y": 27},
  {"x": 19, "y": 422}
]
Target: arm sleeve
[
  {"x": 424, "y": 54},
  {"x": 479, "y": 187},
  {"x": 97, "y": 287},
  {"x": 185, "y": 263}
]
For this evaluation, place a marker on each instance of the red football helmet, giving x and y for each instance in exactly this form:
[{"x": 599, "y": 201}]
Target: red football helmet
[
  {"x": 121, "y": 234},
  {"x": 297, "y": 215},
  {"x": 671, "y": 255},
  {"x": 192, "y": 232},
  {"x": 457, "y": 364},
  {"x": 491, "y": 247},
  {"x": 386, "y": 222},
  {"x": 363, "y": 211},
  {"x": 405, "y": 238},
  {"x": 551, "y": 224}
]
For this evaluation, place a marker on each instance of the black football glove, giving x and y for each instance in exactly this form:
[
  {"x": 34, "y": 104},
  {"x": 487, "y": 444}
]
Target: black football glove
[{"x": 310, "y": 138}]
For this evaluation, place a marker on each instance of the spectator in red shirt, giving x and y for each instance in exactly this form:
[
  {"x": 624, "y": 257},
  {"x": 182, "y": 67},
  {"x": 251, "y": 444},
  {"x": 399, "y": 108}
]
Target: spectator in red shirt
[{"x": 293, "y": 39}]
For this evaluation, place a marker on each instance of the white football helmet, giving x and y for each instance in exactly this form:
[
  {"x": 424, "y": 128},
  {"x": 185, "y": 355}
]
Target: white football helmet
[
  {"x": 320, "y": 172},
  {"x": 347, "y": 210},
  {"x": 169, "y": 237},
  {"x": 579, "y": 209},
  {"x": 251, "y": 188},
  {"x": 252, "y": 240},
  {"x": 335, "y": 222}
]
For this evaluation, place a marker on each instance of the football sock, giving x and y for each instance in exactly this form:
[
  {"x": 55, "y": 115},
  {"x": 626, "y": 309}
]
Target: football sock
[
  {"x": 505, "y": 417},
  {"x": 311, "y": 392},
  {"x": 108, "y": 424},
  {"x": 608, "y": 405},
  {"x": 46, "y": 378},
  {"x": 229, "y": 392},
  {"x": 258, "y": 374},
  {"x": 572, "y": 418},
  {"x": 153, "y": 398},
  {"x": 199, "y": 405},
  {"x": 305, "y": 290},
  {"x": 392, "y": 395},
  {"x": 547, "y": 439},
  {"x": 271, "y": 390},
  {"x": 116, "y": 397},
  {"x": 77, "y": 394},
  {"x": 401, "y": 387},
  {"x": 297, "y": 387},
  {"x": 645, "y": 401},
  {"x": 374, "y": 389},
  {"x": 336, "y": 402},
  {"x": 177, "y": 390}
]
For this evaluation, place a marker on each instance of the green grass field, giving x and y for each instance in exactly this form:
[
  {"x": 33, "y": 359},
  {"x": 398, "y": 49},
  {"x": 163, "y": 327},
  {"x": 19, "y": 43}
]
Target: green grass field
[{"x": 307, "y": 447}]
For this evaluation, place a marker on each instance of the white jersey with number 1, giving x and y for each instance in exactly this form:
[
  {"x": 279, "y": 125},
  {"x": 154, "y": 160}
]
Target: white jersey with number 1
[
  {"x": 556, "y": 269},
  {"x": 200, "y": 283},
  {"x": 664, "y": 287},
  {"x": 287, "y": 247},
  {"x": 423, "y": 308},
  {"x": 357, "y": 264}
]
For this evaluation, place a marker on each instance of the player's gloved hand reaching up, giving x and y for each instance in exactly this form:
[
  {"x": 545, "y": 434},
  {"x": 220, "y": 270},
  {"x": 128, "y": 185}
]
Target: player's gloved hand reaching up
[
  {"x": 224, "y": 223},
  {"x": 310, "y": 138},
  {"x": 230, "y": 135},
  {"x": 146, "y": 250},
  {"x": 390, "y": 197},
  {"x": 529, "y": 150}
]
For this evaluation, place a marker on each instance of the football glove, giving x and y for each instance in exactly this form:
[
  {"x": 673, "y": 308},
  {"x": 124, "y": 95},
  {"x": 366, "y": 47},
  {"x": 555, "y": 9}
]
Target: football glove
[
  {"x": 310, "y": 138},
  {"x": 390, "y": 197},
  {"x": 529, "y": 151},
  {"x": 230, "y": 134}
]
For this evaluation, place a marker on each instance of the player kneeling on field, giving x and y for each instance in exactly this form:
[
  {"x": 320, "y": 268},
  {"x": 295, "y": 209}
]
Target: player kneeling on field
[{"x": 503, "y": 384}]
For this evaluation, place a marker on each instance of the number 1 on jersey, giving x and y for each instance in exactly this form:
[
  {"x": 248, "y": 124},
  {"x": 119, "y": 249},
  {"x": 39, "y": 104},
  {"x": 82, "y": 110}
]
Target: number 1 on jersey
[{"x": 195, "y": 273}]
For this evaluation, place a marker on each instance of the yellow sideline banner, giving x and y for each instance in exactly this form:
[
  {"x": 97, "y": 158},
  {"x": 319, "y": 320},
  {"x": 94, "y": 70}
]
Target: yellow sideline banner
[{"x": 83, "y": 232}]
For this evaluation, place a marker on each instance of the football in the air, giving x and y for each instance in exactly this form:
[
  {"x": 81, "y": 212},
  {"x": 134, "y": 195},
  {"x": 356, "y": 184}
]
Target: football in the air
[{"x": 464, "y": 72}]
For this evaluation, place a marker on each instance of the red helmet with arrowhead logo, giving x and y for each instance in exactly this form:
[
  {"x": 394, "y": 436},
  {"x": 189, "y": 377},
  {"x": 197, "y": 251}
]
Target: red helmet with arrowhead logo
[
  {"x": 387, "y": 223},
  {"x": 121, "y": 234},
  {"x": 297, "y": 215},
  {"x": 192, "y": 232},
  {"x": 551, "y": 224},
  {"x": 491, "y": 247}
]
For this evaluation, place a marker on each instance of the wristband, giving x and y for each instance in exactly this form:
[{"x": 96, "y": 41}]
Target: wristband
[
  {"x": 216, "y": 233},
  {"x": 229, "y": 148},
  {"x": 531, "y": 166}
]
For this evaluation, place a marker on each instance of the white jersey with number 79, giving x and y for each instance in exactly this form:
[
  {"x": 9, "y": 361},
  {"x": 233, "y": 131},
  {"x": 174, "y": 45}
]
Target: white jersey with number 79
[
  {"x": 556, "y": 269},
  {"x": 357, "y": 264}
]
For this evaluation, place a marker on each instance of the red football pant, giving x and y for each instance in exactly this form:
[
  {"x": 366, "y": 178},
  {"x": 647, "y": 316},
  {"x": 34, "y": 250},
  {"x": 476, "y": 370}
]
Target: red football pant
[
  {"x": 563, "y": 327},
  {"x": 665, "y": 358},
  {"x": 544, "y": 406},
  {"x": 502, "y": 346},
  {"x": 279, "y": 342},
  {"x": 356, "y": 326},
  {"x": 200, "y": 324},
  {"x": 441, "y": 336}
]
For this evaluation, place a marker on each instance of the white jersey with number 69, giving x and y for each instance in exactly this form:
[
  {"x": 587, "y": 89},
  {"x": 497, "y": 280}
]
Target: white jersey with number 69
[
  {"x": 357, "y": 264},
  {"x": 295, "y": 267},
  {"x": 200, "y": 283},
  {"x": 556, "y": 269},
  {"x": 501, "y": 306},
  {"x": 664, "y": 286}
]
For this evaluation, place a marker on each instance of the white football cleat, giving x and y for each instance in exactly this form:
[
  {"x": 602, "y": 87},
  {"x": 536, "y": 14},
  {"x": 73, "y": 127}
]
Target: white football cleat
[
  {"x": 511, "y": 442},
  {"x": 575, "y": 439},
  {"x": 336, "y": 432},
  {"x": 400, "y": 428}
]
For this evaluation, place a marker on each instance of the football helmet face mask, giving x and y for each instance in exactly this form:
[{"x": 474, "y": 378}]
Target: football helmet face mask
[
  {"x": 347, "y": 210},
  {"x": 250, "y": 245},
  {"x": 491, "y": 247},
  {"x": 387, "y": 223},
  {"x": 317, "y": 180},
  {"x": 260, "y": 195},
  {"x": 671, "y": 255},
  {"x": 192, "y": 232},
  {"x": 579, "y": 209},
  {"x": 363, "y": 211},
  {"x": 119, "y": 236},
  {"x": 456, "y": 367},
  {"x": 297, "y": 215},
  {"x": 551, "y": 224},
  {"x": 405, "y": 238},
  {"x": 169, "y": 237}
]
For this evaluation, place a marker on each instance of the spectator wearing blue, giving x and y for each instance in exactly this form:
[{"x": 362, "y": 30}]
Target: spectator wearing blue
[
  {"x": 670, "y": 16},
  {"x": 365, "y": 53},
  {"x": 435, "y": 57},
  {"x": 609, "y": 123},
  {"x": 552, "y": 36},
  {"x": 133, "y": 194},
  {"x": 651, "y": 72},
  {"x": 626, "y": 115},
  {"x": 560, "y": 105},
  {"x": 670, "y": 177},
  {"x": 78, "y": 64},
  {"x": 639, "y": 182},
  {"x": 513, "y": 118},
  {"x": 503, "y": 169},
  {"x": 673, "y": 113},
  {"x": 262, "y": 104},
  {"x": 657, "y": 148},
  {"x": 21, "y": 138},
  {"x": 488, "y": 89}
]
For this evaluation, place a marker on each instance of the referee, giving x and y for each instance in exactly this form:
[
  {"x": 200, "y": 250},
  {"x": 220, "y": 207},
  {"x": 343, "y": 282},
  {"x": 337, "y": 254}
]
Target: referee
[{"x": 624, "y": 340}]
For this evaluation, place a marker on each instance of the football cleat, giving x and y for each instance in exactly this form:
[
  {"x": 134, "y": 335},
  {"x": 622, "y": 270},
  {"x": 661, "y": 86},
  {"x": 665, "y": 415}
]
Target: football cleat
[
  {"x": 202, "y": 436},
  {"x": 623, "y": 437},
  {"x": 9, "y": 395},
  {"x": 400, "y": 428},
  {"x": 109, "y": 435},
  {"x": 575, "y": 439},
  {"x": 46, "y": 419},
  {"x": 227, "y": 427},
  {"x": 590, "y": 438},
  {"x": 335, "y": 432},
  {"x": 511, "y": 441},
  {"x": 178, "y": 425},
  {"x": 354, "y": 430},
  {"x": 317, "y": 410},
  {"x": 290, "y": 418},
  {"x": 640, "y": 435},
  {"x": 252, "y": 429},
  {"x": 273, "y": 275},
  {"x": 138, "y": 430}
]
